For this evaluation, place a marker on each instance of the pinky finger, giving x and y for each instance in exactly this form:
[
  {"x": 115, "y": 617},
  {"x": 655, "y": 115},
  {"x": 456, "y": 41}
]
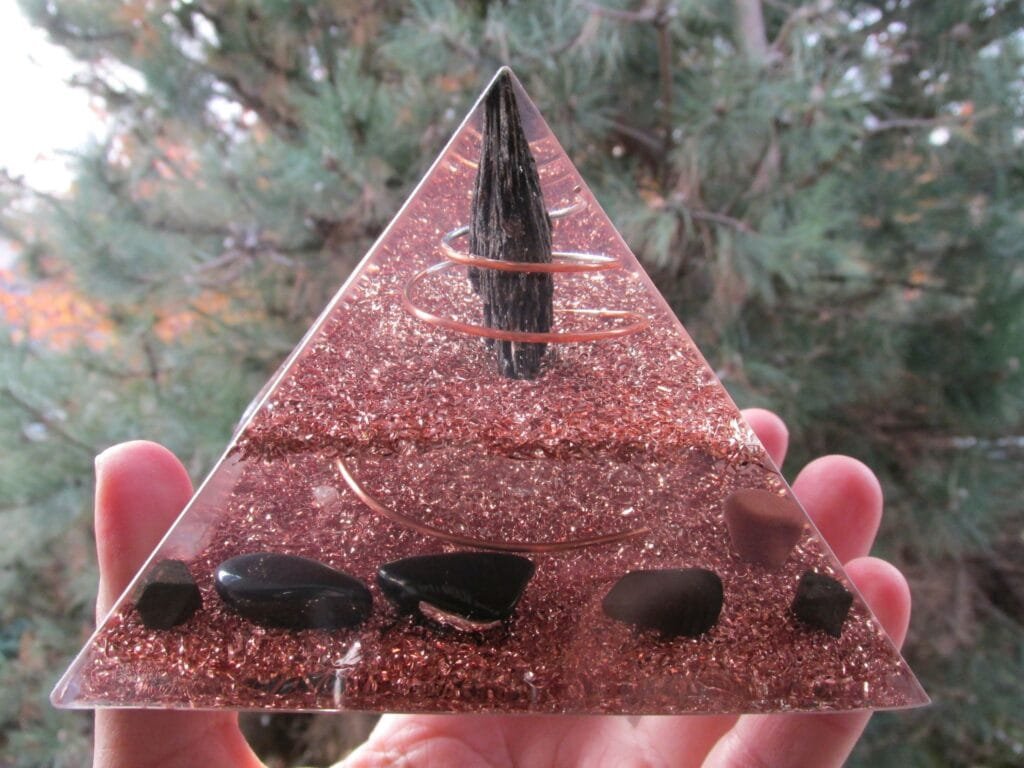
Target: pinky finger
[{"x": 810, "y": 739}]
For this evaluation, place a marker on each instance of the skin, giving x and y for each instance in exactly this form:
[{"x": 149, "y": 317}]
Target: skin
[{"x": 141, "y": 488}]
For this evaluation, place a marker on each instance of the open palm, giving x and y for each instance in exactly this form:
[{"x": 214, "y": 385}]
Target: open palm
[{"x": 141, "y": 488}]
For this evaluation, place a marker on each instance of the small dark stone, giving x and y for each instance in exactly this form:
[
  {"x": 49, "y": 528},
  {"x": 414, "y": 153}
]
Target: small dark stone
[
  {"x": 822, "y": 602},
  {"x": 479, "y": 587},
  {"x": 276, "y": 590},
  {"x": 763, "y": 526},
  {"x": 673, "y": 601},
  {"x": 167, "y": 595}
]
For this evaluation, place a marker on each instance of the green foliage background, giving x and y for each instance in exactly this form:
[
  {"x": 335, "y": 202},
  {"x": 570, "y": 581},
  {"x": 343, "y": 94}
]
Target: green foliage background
[{"x": 829, "y": 193}]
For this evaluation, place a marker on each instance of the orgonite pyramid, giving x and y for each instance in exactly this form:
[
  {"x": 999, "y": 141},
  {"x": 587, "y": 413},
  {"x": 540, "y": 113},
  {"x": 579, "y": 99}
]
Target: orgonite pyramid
[{"x": 496, "y": 475}]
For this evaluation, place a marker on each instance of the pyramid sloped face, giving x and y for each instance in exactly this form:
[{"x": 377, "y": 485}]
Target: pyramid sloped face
[{"x": 390, "y": 435}]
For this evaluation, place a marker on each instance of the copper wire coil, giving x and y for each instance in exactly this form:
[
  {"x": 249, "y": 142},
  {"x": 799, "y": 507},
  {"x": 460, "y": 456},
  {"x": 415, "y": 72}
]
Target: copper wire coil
[
  {"x": 563, "y": 262},
  {"x": 411, "y": 523},
  {"x": 570, "y": 261},
  {"x": 637, "y": 321}
]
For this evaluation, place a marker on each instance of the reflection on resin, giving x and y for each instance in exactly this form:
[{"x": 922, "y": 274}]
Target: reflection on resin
[{"x": 390, "y": 443}]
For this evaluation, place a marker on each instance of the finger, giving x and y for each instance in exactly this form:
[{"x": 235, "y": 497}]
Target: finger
[
  {"x": 140, "y": 490},
  {"x": 433, "y": 740},
  {"x": 844, "y": 499},
  {"x": 771, "y": 431},
  {"x": 819, "y": 740}
]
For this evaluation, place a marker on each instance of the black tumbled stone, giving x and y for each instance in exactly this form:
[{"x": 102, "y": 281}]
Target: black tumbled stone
[
  {"x": 276, "y": 590},
  {"x": 822, "y": 602},
  {"x": 481, "y": 587},
  {"x": 675, "y": 602},
  {"x": 167, "y": 595}
]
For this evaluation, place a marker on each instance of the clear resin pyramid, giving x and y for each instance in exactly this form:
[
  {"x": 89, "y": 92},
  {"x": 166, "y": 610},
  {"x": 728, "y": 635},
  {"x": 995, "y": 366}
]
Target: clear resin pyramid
[{"x": 485, "y": 483}]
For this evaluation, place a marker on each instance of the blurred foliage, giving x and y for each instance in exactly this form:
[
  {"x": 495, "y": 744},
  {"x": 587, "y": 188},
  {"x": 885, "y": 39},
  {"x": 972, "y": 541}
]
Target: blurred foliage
[{"x": 830, "y": 196}]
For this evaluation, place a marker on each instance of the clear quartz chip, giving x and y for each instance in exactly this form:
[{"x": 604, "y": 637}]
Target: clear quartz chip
[{"x": 390, "y": 433}]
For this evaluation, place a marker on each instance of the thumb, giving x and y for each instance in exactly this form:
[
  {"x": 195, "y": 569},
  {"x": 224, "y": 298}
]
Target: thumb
[{"x": 140, "y": 490}]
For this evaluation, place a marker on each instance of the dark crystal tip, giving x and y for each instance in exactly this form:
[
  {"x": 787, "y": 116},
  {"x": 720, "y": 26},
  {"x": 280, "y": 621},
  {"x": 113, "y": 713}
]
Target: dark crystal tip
[{"x": 510, "y": 222}]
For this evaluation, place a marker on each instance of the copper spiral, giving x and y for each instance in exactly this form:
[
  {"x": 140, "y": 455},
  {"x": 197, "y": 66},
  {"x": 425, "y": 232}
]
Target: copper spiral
[{"x": 563, "y": 262}]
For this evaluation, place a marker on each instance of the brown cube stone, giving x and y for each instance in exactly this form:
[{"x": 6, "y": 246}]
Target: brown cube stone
[{"x": 763, "y": 526}]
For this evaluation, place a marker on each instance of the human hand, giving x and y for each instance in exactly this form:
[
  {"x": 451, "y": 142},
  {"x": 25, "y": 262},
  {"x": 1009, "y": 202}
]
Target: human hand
[{"x": 141, "y": 488}]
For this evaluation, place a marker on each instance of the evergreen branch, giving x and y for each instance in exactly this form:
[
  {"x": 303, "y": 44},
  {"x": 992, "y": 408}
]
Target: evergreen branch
[
  {"x": 750, "y": 32},
  {"x": 273, "y": 117},
  {"x": 48, "y": 421},
  {"x": 63, "y": 32},
  {"x": 152, "y": 361},
  {"x": 457, "y": 45},
  {"x": 642, "y": 137},
  {"x": 645, "y": 15},
  {"x": 908, "y": 123},
  {"x": 19, "y": 183},
  {"x": 987, "y": 29},
  {"x": 97, "y": 364},
  {"x": 799, "y": 15},
  {"x": 768, "y": 166},
  {"x": 232, "y": 330},
  {"x": 823, "y": 169},
  {"x": 894, "y": 124},
  {"x": 119, "y": 190},
  {"x": 291, "y": 73},
  {"x": 971, "y": 442},
  {"x": 715, "y": 217},
  {"x": 884, "y": 282},
  {"x": 665, "y": 80},
  {"x": 587, "y": 30},
  {"x": 939, "y": 121},
  {"x": 114, "y": 98}
]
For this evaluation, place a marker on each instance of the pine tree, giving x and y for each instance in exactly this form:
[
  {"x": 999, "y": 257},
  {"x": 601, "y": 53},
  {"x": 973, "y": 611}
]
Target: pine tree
[{"x": 829, "y": 193}]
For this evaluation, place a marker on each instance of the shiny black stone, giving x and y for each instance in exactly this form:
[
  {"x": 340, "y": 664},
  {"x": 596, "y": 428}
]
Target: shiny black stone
[
  {"x": 481, "y": 587},
  {"x": 276, "y": 590},
  {"x": 167, "y": 595},
  {"x": 673, "y": 601},
  {"x": 822, "y": 602}
]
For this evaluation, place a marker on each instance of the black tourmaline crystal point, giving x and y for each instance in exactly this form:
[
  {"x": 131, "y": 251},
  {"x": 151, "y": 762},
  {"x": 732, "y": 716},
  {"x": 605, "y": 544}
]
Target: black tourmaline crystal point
[
  {"x": 510, "y": 222},
  {"x": 822, "y": 602},
  {"x": 674, "y": 602},
  {"x": 276, "y": 590},
  {"x": 468, "y": 590},
  {"x": 167, "y": 595}
]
